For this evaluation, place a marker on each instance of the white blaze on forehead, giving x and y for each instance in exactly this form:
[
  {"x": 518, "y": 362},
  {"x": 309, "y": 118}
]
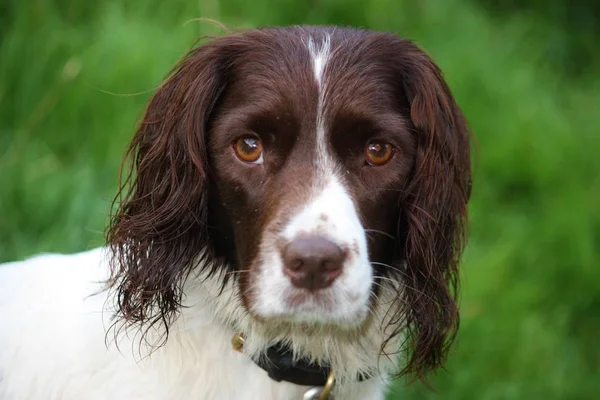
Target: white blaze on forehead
[{"x": 319, "y": 54}]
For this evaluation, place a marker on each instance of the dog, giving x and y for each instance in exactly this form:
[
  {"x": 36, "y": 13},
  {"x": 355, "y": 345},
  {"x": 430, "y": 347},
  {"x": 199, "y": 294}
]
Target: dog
[{"x": 289, "y": 225}]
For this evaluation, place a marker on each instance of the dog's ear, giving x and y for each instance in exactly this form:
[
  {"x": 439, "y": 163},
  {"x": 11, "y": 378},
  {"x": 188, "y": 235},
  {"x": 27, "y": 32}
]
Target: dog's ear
[
  {"x": 158, "y": 230},
  {"x": 434, "y": 216}
]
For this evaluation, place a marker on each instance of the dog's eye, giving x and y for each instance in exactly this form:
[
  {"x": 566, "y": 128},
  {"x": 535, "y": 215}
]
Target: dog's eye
[
  {"x": 378, "y": 152},
  {"x": 249, "y": 149}
]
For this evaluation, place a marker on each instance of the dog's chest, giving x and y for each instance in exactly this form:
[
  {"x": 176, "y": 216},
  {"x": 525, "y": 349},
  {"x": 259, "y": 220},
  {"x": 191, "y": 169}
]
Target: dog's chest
[{"x": 201, "y": 364}]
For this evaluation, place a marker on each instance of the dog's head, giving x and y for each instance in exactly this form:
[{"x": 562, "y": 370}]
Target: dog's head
[{"x": 312, "y": 167}]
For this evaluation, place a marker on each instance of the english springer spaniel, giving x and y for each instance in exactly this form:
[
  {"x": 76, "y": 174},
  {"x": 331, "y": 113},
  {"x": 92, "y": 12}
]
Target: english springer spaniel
[{"x": 290, "y": 227}]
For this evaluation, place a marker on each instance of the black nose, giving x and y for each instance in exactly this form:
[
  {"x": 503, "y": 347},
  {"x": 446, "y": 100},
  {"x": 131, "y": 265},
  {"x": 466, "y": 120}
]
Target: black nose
[{"x": 313, "y": 262}]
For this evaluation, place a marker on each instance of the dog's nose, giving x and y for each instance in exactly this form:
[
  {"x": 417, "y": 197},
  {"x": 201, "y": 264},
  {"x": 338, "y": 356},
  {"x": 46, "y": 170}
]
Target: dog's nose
[{"x": 313, "y": 262}]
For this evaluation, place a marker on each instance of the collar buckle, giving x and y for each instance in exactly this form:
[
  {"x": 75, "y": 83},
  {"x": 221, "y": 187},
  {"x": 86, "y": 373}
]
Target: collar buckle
[
  {"x": 321, "y": 393},
  {"x": 237, "y": 342}
]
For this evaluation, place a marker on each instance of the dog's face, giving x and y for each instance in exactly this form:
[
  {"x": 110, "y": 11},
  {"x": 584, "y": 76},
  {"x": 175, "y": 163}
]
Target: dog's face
[
  {"x": 315, "y": 166},
  {"x": 309, "y": 164}
]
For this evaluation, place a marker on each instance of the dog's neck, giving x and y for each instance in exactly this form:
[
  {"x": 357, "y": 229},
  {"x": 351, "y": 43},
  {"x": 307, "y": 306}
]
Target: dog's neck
[{"x": 349, "y": 352}]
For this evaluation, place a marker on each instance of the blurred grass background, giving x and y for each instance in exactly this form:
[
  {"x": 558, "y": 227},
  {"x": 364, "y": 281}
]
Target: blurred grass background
[{"x": 527, "y": 74}]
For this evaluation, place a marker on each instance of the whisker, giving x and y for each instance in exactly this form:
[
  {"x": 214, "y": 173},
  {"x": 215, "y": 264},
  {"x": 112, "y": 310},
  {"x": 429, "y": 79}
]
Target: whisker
[
  {"x": 372, "y": 312},
  {"x": 410, "y": 287},
  {"x": 372, "y": 293},
  {"x": 391, "y": 301},
  {"x": 240, "y": 271},
  {"x": 369, "y": 230},
  {"x": 403, "y": 191},
  {"x": 391, "y": 267}
]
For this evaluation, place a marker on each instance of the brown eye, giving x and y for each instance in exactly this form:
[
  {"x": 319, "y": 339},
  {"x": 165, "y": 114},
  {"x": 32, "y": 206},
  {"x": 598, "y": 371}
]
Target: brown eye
[
  {"x": 249, "y": 149},
  {"x": 378, "y": 153}
]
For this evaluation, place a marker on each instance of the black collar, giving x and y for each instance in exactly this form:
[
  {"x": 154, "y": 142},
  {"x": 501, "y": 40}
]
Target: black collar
[{"x": 280, "y": 366}]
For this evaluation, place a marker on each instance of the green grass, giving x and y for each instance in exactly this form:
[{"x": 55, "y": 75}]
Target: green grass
[{"x": 531, "y": 273}]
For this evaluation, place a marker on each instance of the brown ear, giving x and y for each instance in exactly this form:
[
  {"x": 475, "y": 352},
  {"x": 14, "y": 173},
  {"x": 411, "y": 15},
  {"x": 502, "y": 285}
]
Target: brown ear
[
  {"x": 434, "y": 213},
  {"x": 159, "y": 229}
]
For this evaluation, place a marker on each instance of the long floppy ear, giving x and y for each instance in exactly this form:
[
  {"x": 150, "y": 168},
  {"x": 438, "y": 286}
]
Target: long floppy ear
[
  {"x": 434, "y": 213},
  {"x": 159, "y": 227}
]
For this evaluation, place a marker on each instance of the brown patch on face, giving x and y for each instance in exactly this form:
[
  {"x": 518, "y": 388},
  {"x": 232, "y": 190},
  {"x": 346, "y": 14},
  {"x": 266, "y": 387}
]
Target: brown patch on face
[{"x": 323, "y": 217}]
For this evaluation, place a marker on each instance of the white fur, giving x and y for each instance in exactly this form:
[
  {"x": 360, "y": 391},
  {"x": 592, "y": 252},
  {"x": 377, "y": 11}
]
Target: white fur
[
  {"x": 331, "y": 214},
  {"x": 320, "y": 55},
  {"x": 52, "y": 342}
]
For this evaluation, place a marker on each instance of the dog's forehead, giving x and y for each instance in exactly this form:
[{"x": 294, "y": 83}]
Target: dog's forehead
[{"x": 302, "y": 68}]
